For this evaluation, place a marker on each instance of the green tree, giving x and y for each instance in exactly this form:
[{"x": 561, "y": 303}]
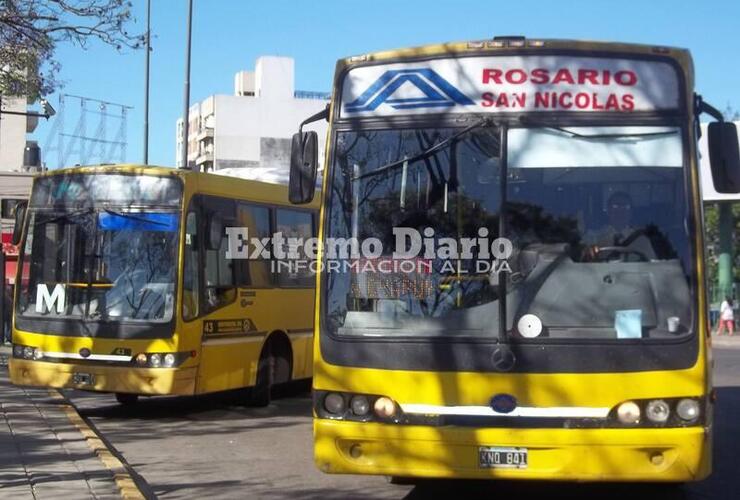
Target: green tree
[
  {"x": 30, "y": 31},
  {"x": 711, "y": 241}
]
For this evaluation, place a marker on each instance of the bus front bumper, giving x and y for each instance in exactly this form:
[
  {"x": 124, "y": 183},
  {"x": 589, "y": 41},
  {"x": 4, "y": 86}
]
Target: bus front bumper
[
  {"x": 670, "y": 455},
  {"x": 133, "y": 380}
]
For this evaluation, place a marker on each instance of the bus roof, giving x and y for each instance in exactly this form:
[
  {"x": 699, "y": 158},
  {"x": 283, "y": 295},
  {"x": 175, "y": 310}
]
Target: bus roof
[
  {"x": 515, "y": 44},
  {"x": 261, "y": 185}
]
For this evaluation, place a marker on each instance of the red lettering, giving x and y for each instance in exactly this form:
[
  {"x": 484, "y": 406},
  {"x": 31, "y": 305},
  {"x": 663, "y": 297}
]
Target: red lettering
[
  {"x": 583, "y": 100},
  {"x": 606, "y": 77},
  {"x": 502, "y": 101},
  {"x": 628, "y": 102},
  {"x": 492, "y": 74},
  {"x": 596, "y": 105},
  {"x": 612, "y": 103},
  {"x": 487, "y": 99},
  {"x": 541, "y": 100},
  {"x": 520, "y": 99},
  {"x": 516, "y": 76},
  {"x": 588, "y": 75},
  {"x": 626, "y": 78},
  {"x": 562, "y": 100},
  {"x": 539, "y": 76},
  {"x": 563, "y": 75}
]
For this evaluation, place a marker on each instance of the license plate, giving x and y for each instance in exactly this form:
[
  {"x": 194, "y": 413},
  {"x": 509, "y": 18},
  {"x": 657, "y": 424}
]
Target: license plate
[
  {"x": 83, "y": 378},
  {"x": 490, "y": 457}
]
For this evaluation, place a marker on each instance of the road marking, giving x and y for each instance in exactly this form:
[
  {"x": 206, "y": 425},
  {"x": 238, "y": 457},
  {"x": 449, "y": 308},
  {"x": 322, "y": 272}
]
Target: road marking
[{"x": 120, "y": 471}]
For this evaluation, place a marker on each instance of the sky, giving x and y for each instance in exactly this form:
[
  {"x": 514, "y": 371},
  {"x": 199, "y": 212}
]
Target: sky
[{"x": 229, "y": 35}]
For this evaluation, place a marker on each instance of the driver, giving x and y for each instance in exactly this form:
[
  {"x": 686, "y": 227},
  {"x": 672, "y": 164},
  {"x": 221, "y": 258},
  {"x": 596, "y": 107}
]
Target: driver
[{"x": 618, "y": 229}]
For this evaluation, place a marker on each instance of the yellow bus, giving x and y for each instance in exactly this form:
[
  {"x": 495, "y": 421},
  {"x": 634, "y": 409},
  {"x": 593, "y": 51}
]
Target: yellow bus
[
  {"x": 126, "y": 285},
  {"x": 512, "y": 276}
]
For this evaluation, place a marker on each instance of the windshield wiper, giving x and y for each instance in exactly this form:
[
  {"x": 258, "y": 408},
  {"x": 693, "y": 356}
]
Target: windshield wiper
[
  {"x": 131, "y": 216},
  {"x": 578, "y": 135},
  {"x": 427, "y": 152},
  {"x": 620, "y": 135},
  {"x": 66, "y": 215}
]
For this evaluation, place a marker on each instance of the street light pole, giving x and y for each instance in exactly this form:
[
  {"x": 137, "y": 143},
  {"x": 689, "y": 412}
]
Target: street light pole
[
  {"x": 146, "y": 85},
  {"x": 186, "y": 97}
]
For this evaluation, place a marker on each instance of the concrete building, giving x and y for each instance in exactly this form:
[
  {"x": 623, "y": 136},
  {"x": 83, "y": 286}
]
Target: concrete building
[
  {"x": 16, "y": 153},
  {"x": 254, "y": 126}
]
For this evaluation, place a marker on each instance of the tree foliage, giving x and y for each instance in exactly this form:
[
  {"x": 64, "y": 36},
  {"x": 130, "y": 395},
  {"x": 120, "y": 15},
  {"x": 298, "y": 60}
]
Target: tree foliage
[
  {"x": 711, "y": 240},
  {"x": 30, "y": 31}
]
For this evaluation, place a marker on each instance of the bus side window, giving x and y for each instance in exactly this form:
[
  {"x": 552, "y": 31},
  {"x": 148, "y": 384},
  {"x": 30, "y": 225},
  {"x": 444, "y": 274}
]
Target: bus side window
[
  {"x": 295, "y": 224},
  {"x": 220, "y": 282},
  {"x": 191, "y": 269},
  {"x": 254, "y": 272}
]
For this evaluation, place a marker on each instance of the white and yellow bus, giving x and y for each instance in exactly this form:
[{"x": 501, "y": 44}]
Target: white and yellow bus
[
  {"x": 578, "y": 350},
  {"x": 125, "y": 285}
]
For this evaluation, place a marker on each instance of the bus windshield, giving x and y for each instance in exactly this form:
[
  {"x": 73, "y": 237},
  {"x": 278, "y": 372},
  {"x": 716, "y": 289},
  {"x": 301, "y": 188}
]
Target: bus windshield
[
  {"x": 595, "y": 217},
  {"x": 97, "y": 259}
]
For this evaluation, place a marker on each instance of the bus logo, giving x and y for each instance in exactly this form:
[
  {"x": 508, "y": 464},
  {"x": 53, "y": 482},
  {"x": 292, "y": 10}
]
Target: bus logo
[
  {"x": 51, "y": 300},
  {"x": 503, "y": 403},
  {"x": 437, "y": 92}
]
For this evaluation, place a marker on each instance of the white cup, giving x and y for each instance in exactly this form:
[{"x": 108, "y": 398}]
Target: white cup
[{"x": 673, "y": 323}]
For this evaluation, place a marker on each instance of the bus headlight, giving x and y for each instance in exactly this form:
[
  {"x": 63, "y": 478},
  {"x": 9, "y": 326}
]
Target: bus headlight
[
  {"x": 384, "y": 407},
  {"x": 28, "y": 352},
  {"x": 628, "y": 413},
  {"x": 38, "y": 354},
  {"x": 140, "y": 359},
  {"x": 360, "y": 405},
  {"x": 169, "y": 360},
  {"x": 334, "y": 403},
  {"x": 688, "y": 409},
  {"x": 155, "y": 360},
  {"x": 657, "y": 411},
  {"x": 18, "y": 351}
]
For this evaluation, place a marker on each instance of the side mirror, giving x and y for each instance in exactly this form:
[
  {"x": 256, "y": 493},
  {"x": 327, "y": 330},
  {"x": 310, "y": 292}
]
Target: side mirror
[
  {"x": 215, "y": 232},
  {"x": 724, "y": 157},
  {"x": 304, "y": 159},
  {"x": 20, "y": 216}
]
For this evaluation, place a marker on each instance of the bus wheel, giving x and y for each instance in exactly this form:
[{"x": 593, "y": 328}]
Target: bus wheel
[
  {"x": 273, "y": 368},
  {"x": 127, "y": 399},
  {"x": 262, "y": 389}
]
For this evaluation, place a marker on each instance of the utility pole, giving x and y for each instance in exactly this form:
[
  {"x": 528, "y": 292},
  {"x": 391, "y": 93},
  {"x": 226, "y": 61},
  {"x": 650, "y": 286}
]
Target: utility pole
[
  {"x": 146, "y": 84},
  {"x": 186, "y": 97}
]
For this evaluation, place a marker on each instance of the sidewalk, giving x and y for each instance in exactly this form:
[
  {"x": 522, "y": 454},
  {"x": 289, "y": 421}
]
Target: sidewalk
[
  {"x": 726, "y": 340},
  {"x": 42, "y": 454}
]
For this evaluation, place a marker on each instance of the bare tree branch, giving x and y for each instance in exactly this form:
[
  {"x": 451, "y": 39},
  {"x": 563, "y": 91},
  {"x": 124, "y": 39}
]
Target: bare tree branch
[{"x": 30, "y": 31}]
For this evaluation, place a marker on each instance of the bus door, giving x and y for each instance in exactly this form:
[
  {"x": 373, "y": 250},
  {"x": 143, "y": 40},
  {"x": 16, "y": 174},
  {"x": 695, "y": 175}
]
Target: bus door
[{"x": 218, "y": 297}]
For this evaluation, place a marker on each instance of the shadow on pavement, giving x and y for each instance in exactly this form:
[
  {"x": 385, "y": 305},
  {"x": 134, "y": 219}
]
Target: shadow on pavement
[
  {"x": 289, "y": 400},
  {"x": 552, "y": 491}
]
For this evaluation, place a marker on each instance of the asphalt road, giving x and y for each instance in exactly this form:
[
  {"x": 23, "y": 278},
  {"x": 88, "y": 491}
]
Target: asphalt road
[{"x": 215, "y": 447}]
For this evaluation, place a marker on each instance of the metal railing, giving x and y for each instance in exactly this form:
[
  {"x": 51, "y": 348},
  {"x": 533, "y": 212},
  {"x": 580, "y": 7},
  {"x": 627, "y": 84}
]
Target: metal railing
[{"x": 308, "y": 94}]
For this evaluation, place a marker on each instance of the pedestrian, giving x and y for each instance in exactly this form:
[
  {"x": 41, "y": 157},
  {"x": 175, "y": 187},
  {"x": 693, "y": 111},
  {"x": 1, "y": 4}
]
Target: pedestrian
[{"x": 726, "y": 317}]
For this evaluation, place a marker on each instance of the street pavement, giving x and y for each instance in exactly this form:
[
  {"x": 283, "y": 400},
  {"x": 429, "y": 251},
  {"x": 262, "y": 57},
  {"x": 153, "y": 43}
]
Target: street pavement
[
  {"x": 43, "y": 455},
  {"x": 216, "y": 447}
]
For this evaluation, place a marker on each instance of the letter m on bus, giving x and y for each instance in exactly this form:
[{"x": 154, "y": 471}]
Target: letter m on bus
[{"x": 56, "y": 297}]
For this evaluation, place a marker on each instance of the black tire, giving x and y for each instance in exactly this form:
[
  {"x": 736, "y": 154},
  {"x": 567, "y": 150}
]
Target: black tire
[
  {"x": 274, "y": 368},
  {"x": 262, "y": 390},
  {"x": 126, "y": 399}
]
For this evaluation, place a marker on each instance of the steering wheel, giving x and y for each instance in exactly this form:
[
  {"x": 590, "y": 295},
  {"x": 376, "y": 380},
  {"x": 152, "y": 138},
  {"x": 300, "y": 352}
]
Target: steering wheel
[
  {"x": 633, "y": 236},
  {"x": 603, "y": 253}
]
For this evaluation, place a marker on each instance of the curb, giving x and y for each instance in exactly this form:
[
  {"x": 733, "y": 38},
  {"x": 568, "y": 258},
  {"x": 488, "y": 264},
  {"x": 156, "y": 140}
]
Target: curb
[{"x": 120, "y": 471}]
